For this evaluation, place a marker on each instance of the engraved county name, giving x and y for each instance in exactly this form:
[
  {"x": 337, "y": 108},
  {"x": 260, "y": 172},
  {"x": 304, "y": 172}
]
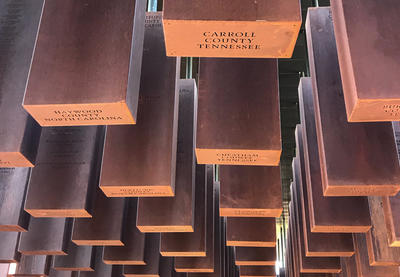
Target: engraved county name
[{"x": 229, "y": 40}]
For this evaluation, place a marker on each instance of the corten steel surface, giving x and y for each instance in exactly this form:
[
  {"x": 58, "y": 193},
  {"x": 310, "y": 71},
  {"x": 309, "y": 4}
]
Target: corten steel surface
[
  {"x": 391, "y": 206},
  {"x": 365, "y": 54},
  {"x": 166, "y": 266},
  {"x": 204, "y": 264},
  {"x": 326, "y": 214},
  {"x": 218, "y": 244},
  {"x": 356, "y": 158},
  {"x": 218, "y": 248},
  {"x": 33, "y": 266},
  {"x": 19, "y": 133},
  {"x": 57, "y": 273},
  {"x": 132, "y": 253},
  {"x": 66, "y": 173},
  {"x": 234, "y": 128},
  {"x": 100, "y": 269},
  {"x": 315, "y": 244},
  {"x": 349, "y": 267},
  {"x": 396, "y": 133},
  {"x": 309, "y": 264},
  {"x": 250, "y": 191},
  {"x": 192, "y": 244},
  {"x": 9, "y": 247},
  {"x": 152, "y": 258},
  {"x": 86, "y": 66},
  {"x": 140, "y": 160},
  {"x": 46, "y": 236},
  {"x": 251, "y": 232},
  {"x": 176, "y": 214},
  {"x": 266, "y": 28},
  {"x": 79, "y": 258},
  {"x": 106, "y": 227},
  {"x": 13, "y": 184},
  {"x": 362, "y": 262},
  {"x": 259, "y": 271},
  {"x": 379, "y": 251},
  {"x": 255, "y": 256}
]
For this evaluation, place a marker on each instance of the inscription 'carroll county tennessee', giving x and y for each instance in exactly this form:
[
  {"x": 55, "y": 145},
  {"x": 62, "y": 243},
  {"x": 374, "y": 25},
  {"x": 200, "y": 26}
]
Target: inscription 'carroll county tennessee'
[{"x": 229, "y": 40}]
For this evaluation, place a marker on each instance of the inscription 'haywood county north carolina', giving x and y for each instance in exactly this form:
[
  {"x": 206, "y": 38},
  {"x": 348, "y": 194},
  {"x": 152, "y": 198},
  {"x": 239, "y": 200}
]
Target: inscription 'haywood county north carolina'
[
  {"x": 81, "y": 115},
  {"x": 229, "y": 40}
]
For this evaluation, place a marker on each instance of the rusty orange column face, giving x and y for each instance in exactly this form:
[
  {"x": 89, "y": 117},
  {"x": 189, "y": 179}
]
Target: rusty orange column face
[{"x": 239, "y": 28}]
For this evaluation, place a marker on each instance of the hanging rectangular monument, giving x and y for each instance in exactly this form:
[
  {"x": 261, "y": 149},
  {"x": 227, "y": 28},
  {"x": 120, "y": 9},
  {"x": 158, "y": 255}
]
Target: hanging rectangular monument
[
  {"x": 79, "y": 258},
  {"x": 250, "y": 191},
  {"x": 251, "y": 232},
  {"x": 352, "y": 171},
  {"x": 255, "y": 256},
  {"x": 193, "y": 244},
  {"x": 100, "y": 269},
  {"x": 66, "y": 173},
  {"x": 105, "y": 227},
  {"x": 140, "y": 160},
  {"x": 238, "y": 28},
  {"x": 364, "y": 54},
  {"x": 233, "y": 128},
  {"x": 325, "y": 214},
  {"x": 46, "y": 236},
  {"x": 19, "y": 133},
  {"x": 86, "y": 66},
  {"x": 33, "y": 266},
  {"x": 13, "y": 184},
  {"x": 132, "y": 253},
  {"x": 152, "y": 258},
  {"x": 177, "y": 214}
]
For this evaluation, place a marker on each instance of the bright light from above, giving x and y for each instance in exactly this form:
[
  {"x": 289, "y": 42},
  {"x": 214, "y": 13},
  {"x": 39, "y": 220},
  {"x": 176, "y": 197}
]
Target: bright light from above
[
  {"x": 12, "y": 268},
  {"x": 277, "y": 267}
]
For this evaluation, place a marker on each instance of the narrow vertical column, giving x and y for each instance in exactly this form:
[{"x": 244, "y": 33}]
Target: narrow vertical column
[
  {"x": 176, "y": 214},
  {"x": 46, "y": 236},
  {"x": 19, "y": 133},
  {"x": 66, "y": 173},
  {"x": 140, "y": 160},
  {"x": 13, "y": 183},
  {"x": 132, "y": 253},
  {"x": 106, "y": 225}
]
